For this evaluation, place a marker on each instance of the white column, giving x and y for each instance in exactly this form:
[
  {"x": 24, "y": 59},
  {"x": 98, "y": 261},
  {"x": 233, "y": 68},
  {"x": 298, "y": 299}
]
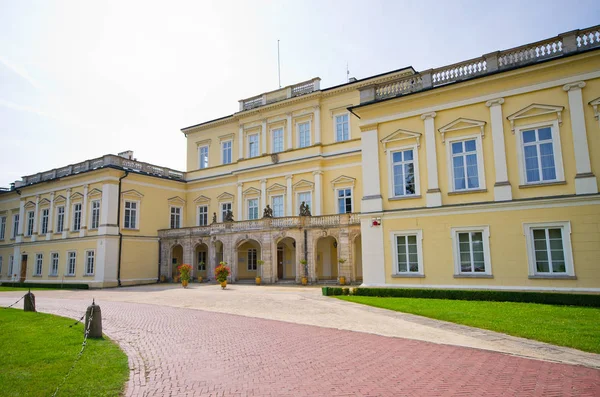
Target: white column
[
  {"x": 502, "y": 189},
  {"x": 318, "y": 204},
  {"x": 290, "y": 138},
  {"x": 317, "y": 124},
  {"x": 433, "y": 197},
  {"x": 263, "y": 195},
  {"x": 264, "y": 136},
  {"x": 50, "y": 217},
  {"x": 585, "y": 180},
  {"x": 108, "y": 211},
  {"x": 241, "y": 143},
  {"x": 83, "y": 230},
  {"x": 66, "y": 224},
  {"x": 36, "y": 217},
  {"x": 19, "y": 236},
  {"x": 240, "y": 199},
  {"x": 288, "y": 196}
]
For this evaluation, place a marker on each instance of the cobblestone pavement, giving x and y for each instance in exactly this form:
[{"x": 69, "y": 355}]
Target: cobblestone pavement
[{"x": 184, "y": 352}]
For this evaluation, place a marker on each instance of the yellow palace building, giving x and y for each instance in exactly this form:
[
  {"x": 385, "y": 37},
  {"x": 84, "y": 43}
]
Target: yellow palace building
[{"x": 480, "y": 174}]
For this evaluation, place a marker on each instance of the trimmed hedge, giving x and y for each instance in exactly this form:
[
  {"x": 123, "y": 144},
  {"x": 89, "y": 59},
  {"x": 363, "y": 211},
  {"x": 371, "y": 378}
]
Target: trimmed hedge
[
  {"x": 42, "y": 285},
  {"x": 547, "y": 298}
]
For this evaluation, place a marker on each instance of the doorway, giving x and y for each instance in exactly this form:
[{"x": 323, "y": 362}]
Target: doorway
[
  {"x": 279, "y": 263},
  {"x": 23, "y": 268}
]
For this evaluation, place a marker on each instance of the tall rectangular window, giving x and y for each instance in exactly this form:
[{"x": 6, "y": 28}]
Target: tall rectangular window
[
  {"x": 202, "y": 260},
  {"x": 278, "y": 140},
  {"x": 225, "y": 207},
  {"x": 407, "y": 254},
  {"x": 253, "y": 209},
  {"x": 203, "y": 215},
  {"x": 39, "y": 259},
  {"x": 54, "y": 264},
  {"x": 71, "y": 263},
  {"x": 306, "y": 198},
  {"x": 252, "y": 145},
  {"x": 226, "y": 152},
  {"x": 344, "y": 197},
  {"x": 76, "y": 217},
  {"x": 15, "y": 229},
  {"x": 11, "y": 261},
  {"x": 403, "y": 173},
  {"x": 95, "y": 214},
  {"x": 277, "y": 205},
  {"x": 44, "y": 221},
  {"x": 89, "y": 262},
  {"x": 130, "y": 215},
  {"x": 252, "y": 259},
  {"x": 464, "y": 165},
  {"x": 30, "y": 222},
  {"x": 538, "y": 153},
  {"x": 470, "y": 245},
  {"x": 203, "y": 156},
  {"x": 342, "y": 128},
  {"x": 549, "y": 250},
  {"x": 60, "y": 219},
  {"x": 175, "y": 217},
  {"x": 304, "y": 134},
  {"x": 2, "y": 227}
]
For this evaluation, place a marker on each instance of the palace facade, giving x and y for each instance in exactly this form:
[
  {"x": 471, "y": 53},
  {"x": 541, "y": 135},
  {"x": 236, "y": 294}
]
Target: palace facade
[{"x": 480, "y": 174}]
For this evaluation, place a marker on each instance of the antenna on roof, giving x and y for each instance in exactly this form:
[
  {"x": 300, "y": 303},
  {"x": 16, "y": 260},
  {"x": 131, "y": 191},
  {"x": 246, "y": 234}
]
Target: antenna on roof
[
  {"x": 347, "y": 73},
  {"x": 278, "y": 64}
]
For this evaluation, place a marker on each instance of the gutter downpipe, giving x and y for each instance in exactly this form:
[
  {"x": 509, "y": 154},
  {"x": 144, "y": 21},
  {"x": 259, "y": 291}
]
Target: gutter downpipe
[{"x": 120, "y": 234}]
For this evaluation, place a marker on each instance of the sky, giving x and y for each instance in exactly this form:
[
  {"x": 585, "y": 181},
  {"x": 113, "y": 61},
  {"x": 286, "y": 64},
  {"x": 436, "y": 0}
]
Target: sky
[{"x": 80, "y": 79}]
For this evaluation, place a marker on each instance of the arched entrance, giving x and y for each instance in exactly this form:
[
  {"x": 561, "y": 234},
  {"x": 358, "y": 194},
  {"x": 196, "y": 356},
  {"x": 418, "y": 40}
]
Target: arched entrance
[
  {"x": 201, "y": 263},
  {"x": 176, "y": 260},
  {"x": 357, "y": 255},
  {"x": 248, "y": 255},
  {"x": 326, "y": 264},
  {"x": 286, "y": 259}
]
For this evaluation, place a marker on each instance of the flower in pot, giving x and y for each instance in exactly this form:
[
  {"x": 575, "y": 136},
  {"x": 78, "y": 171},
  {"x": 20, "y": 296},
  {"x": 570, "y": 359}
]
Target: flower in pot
[
  {"x": 221, "y": 273},
  {"x": 201, "y": 267},
  {"x": 259, "y": 262},
  {"x": 342, "y": 278},
  {"x": 185, "y": 271},
  {"x": 304, "y": 278}
]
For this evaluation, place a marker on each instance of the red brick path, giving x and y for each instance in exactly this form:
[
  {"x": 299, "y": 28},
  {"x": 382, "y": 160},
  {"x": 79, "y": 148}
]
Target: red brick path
[{"x": 183, "y": 352}]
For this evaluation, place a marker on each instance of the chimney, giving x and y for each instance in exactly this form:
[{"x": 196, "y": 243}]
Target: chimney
[{"x": 128, "y": 154}]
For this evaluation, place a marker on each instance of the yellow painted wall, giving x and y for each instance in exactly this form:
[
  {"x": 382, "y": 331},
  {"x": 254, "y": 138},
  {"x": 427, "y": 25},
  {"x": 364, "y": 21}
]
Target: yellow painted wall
[{"x": 139, "y": 261}]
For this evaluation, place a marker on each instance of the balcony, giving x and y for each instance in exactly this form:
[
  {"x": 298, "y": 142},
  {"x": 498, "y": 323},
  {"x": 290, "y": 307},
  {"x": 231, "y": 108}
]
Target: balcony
[{"x": 291, "y": 91}]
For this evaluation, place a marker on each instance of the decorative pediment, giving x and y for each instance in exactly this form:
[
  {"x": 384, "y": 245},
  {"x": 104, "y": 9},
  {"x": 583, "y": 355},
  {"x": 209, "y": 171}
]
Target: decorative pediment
[
  {"x": 401, "y": 135},
  {"x": 304, "y": 184},
  {"x": 132, "y": 193},
  {"x": 95, "y": 192},
  {"x": 462, "y": 124},
  {"x": 76, "y": 196},
  {"x": 343, "y": 180},
  {"x": 534, "y": 110},
  {"x": 59, "y": 199},
  {"x": 44, "y": 201},
  {"x": 276, "y": 187},
  {"x": 225, "y": 197},
  {"x": 205, "y": 142},
  {"x": 30, "y": 204},
  {"x": 251, "y": 191},
  {"x": 228, "y": 137},
  {"x": 596, "y": 105},
  {"x": 201, "y": 199},
  {"x": 176, "y": 200}
]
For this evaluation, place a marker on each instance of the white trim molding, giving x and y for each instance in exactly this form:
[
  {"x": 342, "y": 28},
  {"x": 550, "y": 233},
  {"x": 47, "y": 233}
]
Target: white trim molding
[
  {"x": 433, "y": 197},
  {"x": 535, "y": 110},
  {"x": 462, "y": 124},
  {"x": 400, "y": 135},
  {"x": 418, "y": 233},
  {"x": 502, "y": 188},
  {"x": 485, "y": 234},
  {"x": 480, "y": 163},
  {"x": 565, "y": 227},
  {"x": 390, "y": 167}
]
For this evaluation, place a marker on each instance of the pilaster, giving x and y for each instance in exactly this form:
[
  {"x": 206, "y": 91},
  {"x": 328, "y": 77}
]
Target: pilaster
[
  {"x": 263, "y": 139},
  {"x": 84, "y": 222},
  {"x": 433, "y": 197},
  {"x": 239, "y": 200},
  {"x": 263, "y": 196},
  {"x": 19, "y": 236},
  {"x": 50, "y": 229},
  {"x": 289, "y": 211},
  {"x": 241, "y": 143},
  {"x": 371, "y": 201},
  {"x": 502, "y": 188},
  {"x": 289, "y": 127},
  {"x": 108, "y": 212},
  {"x": 36, "y": 218},
  {"x": 318, "y": 175},
  {"x": 67, "y": 224},
  {"x": 317, "y": 114}
]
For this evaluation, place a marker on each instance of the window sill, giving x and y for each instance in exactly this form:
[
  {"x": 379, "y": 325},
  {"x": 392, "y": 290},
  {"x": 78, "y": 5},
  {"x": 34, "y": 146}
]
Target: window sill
[
  {"x": 132, "y": 230},
  {"x": 88, "y": 275},
  {"x": 552, "y": 277},
  {"x": 467, "y": 191},
  {"x": 408, "y": 275},
  {"x": 404, "y": 198},
  {"x": 36, "y": 275},
  {"x": 69, "y": 275},
  {"x": 53, "y": 275},
  {"x": 473, "y": 276},
  {"x": 553, "y": 183}
]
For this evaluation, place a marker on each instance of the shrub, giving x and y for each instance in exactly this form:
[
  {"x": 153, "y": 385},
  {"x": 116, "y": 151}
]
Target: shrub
[
  {"x": 222, "y": 271},
  {"x": 49, "y": 285}
]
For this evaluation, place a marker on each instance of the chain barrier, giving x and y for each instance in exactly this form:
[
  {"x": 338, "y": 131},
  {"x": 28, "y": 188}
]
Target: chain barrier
[
  {"x": 20, "y": 299},
  {"x": 76, "y": 322},
  {"x": 83, "y": 345}
]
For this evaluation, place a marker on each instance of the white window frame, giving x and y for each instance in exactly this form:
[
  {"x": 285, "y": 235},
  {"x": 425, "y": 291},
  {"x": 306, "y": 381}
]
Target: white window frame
[
  {"x": 255, "y": 267},
  {"x": 60, "y": 219},
  {"x": 309, "y": 133},
  {"x": 480, "y": 162},
  {"x": 567, "y": 248},
  {"x": 2, "y": 227},
  {"x": 52, "y": 262},
  {"x": 178, "y": 216},
  {"x": 335, "y": 123},
  {"x": 46, "y": 218},
  {"x": 11, "y": 264},
  {"x": 487, "y": 259},
  {"x": 15, "y": 225},
  {"x": 95, "y": 214},
  {"x": 223, "y": 150},
  {"x": 248, "y": 208},
  {"x": 419, "y": 234},
  {"x": 337, "y": 198},
  {"x": 38, "y": 267},
  {"x": 86, "y": 271},
  {"x": 221, "y": 215},
  {"x": 200, "y": 156},
  {"x": 390, "y": 162},
  {"x": 273, "y": 206},
  {"x": 257, "y": 135},
  {"x": 68, "y": 256},
  {"x": 198, "y": 223},
  {"x": 556, "y": 145},
  {"x": 73, "y": 228},
  {"x": 30, "y": 223},
  {"x": 137, "y": 214},
  {"x": 273, "y": 130},
  {"x": 299, "y": 202}
]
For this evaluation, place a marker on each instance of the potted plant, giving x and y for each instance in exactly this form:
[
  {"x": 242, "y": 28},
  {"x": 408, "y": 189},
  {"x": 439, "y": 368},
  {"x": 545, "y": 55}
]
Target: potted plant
[
  {"x": 185, "y": 271},
  {"x": 304, "y": 278},
  {"x": 259, "y": 262},
  {"x": 342, "y": 278},
  {"x": 221, "y": 274}
]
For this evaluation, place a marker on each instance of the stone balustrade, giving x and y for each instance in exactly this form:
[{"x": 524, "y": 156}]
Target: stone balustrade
[{"x": 303, "y": 88}]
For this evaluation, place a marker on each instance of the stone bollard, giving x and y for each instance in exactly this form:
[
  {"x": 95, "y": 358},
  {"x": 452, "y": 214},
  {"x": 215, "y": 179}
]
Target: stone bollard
[
  {"x": 96, "y": 325},
  {"x": 29, "y": 302}
]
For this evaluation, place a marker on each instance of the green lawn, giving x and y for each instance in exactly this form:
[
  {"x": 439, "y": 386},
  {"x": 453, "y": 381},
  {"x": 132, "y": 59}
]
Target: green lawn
[
  {"x": 8, "y": 289},
  {"x": 37, "y": 350},
  {"x": 576, "y": 327}
]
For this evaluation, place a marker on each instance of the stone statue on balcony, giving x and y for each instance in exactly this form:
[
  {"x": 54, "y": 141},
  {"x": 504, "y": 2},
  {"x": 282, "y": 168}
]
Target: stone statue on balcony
[
  {"x": 304, "y": 209},
  {"x": 214, "y": 217},
  {"x": 268, "y": 212},
  {"x": 229, "y": 216}
]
